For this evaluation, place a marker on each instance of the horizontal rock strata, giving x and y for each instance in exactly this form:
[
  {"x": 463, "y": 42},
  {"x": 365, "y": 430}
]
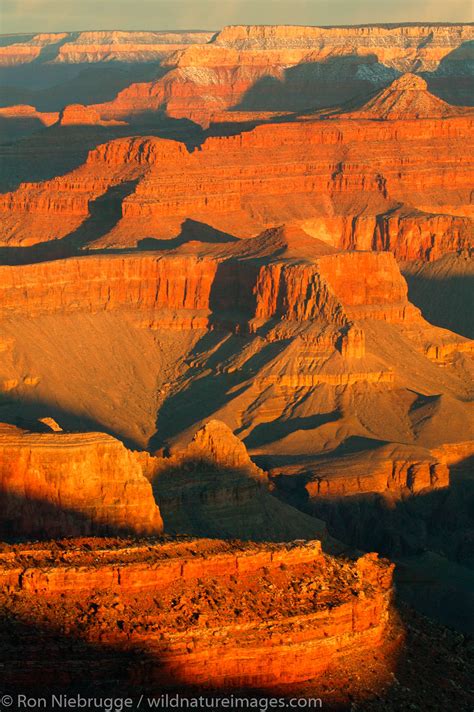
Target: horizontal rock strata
[
  {"x": 59, "y": 484},
  {"x": 311, "y": 610}
]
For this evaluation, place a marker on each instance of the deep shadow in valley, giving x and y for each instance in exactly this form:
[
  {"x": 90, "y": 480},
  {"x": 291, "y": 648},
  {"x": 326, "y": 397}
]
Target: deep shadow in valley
[
  {"x": 200, "y": 397},
  {"x": 26, "y": 413},
  {"x": 52, "y": 86},
  {"x": 429, "y": 534},
  {"x": 453, "y": 78},
  {"x": 265, "y": 433},
  {"x": 447, "y": 302},
  {"x": 104, "y": 213},
  {"x": 191, "y": 230},
  {"x": 57, "y": 150}
]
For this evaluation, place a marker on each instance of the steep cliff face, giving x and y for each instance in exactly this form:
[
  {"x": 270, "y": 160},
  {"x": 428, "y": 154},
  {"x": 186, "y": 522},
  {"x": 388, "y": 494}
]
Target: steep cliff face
[
  {"x": 332, "y": 288},
  {"x": 255, "y": 345},
  {"x": 396, "y": 471},
  {"x": 398, "y": 45},
  {"x": 402, "y": 46},
  {"x": 58, "y": 484}
]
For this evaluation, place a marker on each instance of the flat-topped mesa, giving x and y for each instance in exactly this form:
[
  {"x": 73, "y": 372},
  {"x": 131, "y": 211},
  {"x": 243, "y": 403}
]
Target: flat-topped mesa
[
  {"x": 407, "y": 98},
  {"x": 147, "y": 151},
  {"x": 80, "y": 115},
  {"x": 401, "y": 36},
  {"x": 111, "y": 164},
  {"x": 286, "y": 69},
  {"x": 28, "y": 112},
  {"x": 60, "y": 484}
]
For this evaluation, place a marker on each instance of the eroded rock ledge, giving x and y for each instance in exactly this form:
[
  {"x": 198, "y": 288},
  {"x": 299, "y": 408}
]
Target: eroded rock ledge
[{"x": 192, "y": 609}]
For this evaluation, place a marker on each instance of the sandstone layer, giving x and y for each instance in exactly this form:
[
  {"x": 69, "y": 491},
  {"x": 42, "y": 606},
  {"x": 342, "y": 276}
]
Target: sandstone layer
[
  {"x": 205, "y": 332},
  {"x": 295, "y": 68},
  {"x": 191, "y": 609},
  {"x": 91, "y": 47},
  {"x": 276, "y": 347},
  {"x": 400, "y": 185},
  {"x": 59, "y": 484}
]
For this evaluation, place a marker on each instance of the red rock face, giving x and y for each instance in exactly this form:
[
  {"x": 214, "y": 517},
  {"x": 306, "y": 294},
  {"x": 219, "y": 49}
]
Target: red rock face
[
  {"x": 257, "y": 646},
  {"x": 285, "y": 68},
  {"x": 91, "y": 47},
  {"x": 332, "y": 288},
  {"x": 230, "y": 305},
  {"x": 395, "y": 474},
  {"x": 57, "y": 485},
  {"x": 315, "y": 174}
]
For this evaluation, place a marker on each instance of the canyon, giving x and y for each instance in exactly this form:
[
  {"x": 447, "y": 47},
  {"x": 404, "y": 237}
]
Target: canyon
[
  {"x": 390, "y": 184},
  {"x": 236, "y": 361}
]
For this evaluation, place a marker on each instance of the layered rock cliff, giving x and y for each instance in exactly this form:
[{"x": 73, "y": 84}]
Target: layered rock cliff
[
  {"x": 398, "y": 185},
  {"x": 398, "y": 471},
  {"x": 331, "y": 288},
  {"x": 248, "y": 340},
  {"x": 244, "y": 301},
  {"x": 294, "y": 68},
  {"x": 204, "y": 614},
  {"x": 92, "y": 47},
  {"x": 58, "y": 484}
]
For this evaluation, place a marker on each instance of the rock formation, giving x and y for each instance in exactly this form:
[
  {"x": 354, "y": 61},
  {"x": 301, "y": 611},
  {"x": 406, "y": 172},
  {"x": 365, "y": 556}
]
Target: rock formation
[
  {"x": 204, "y": 613},
  {"x": 246, "y": 335},
  {"x": 92, "y": 47},
  {"x": 406, "y": 98},
  {"x": 398, "y": 471},
  {"x": 210, "y": 487},
  {"x": 59, "y": 484},
  {"x": 320, "y": 179},
  {"x": 206, "y": 332},
  {"x": 292, "y": 68},
  {"x": 333, "y": 288}
]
